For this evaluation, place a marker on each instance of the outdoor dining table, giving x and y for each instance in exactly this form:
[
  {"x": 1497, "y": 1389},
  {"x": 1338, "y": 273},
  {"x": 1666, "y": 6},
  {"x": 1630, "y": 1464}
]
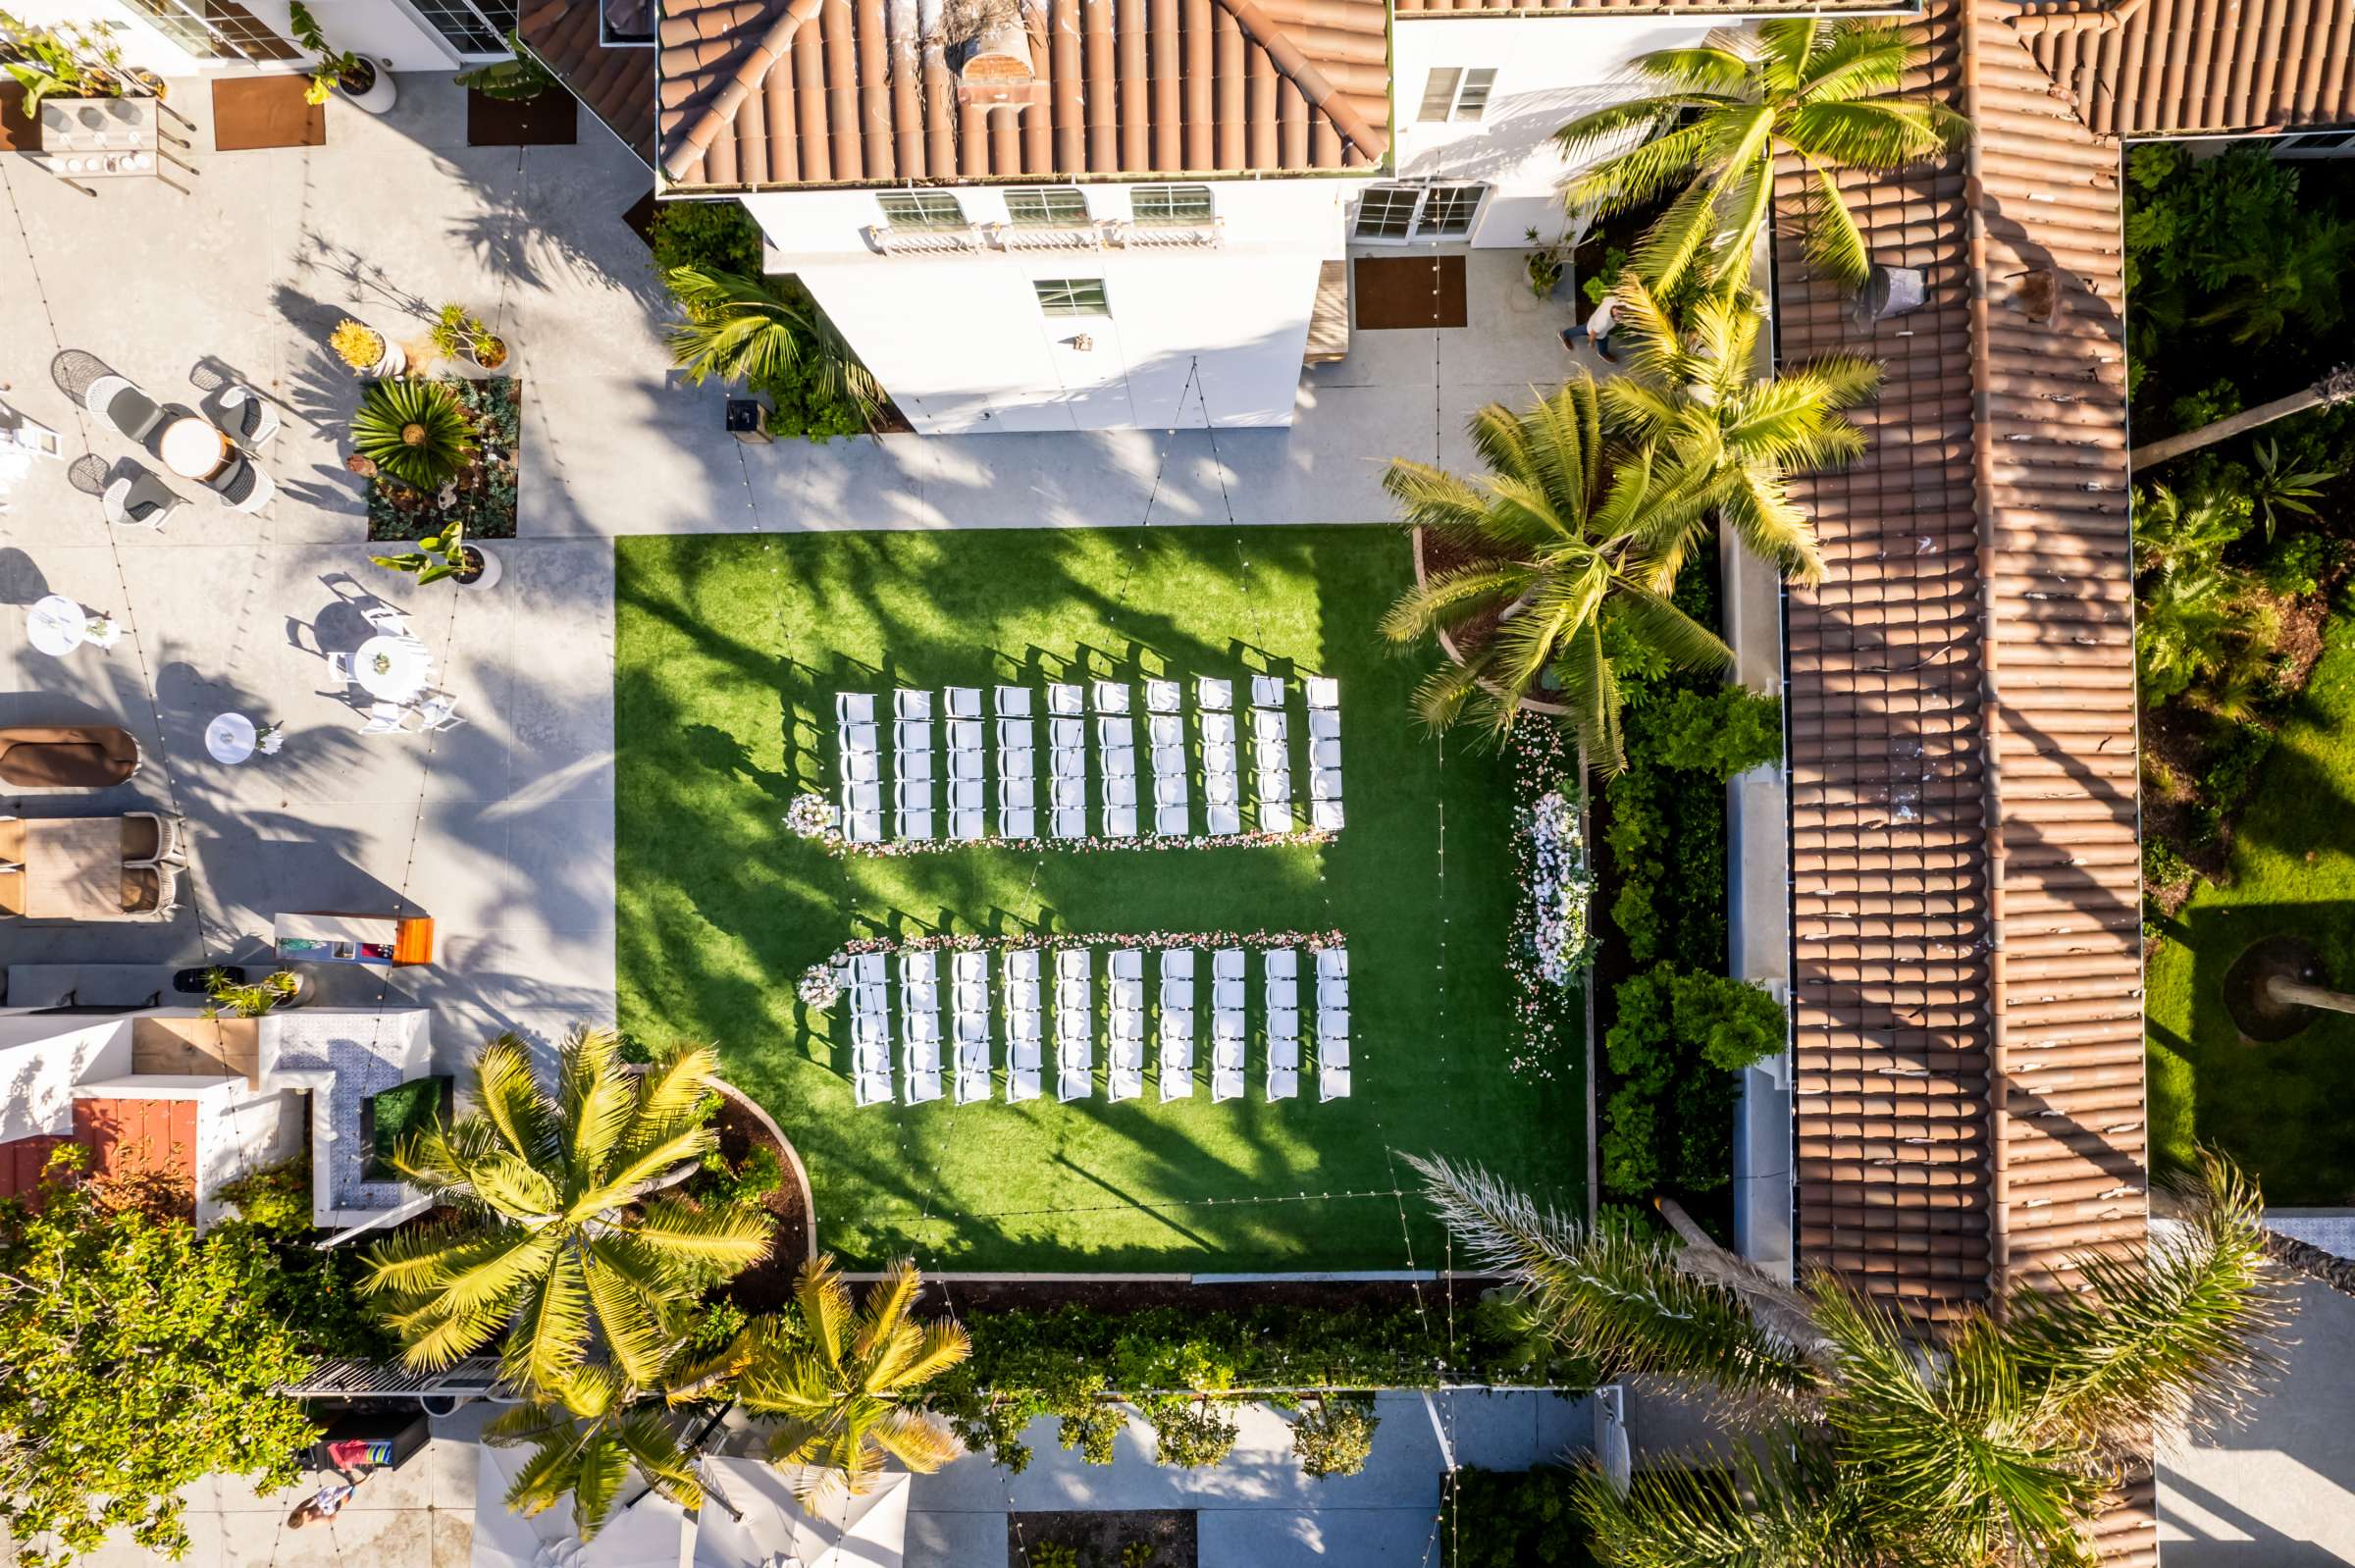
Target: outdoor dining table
[
  {"x": 74, "y": 868},
  {"x": 192, "y": 447},
  {"x": 56, "y": 625},
  {"x": 406, "y": 666}
]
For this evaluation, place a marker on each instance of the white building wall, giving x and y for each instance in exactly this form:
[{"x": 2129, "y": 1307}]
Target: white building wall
[
  {"x": 240, "y": 1132},
  {"x": 961, "y": 346},
  {"x": 42, "y": 1057},
  {"x": 382, "y": 29}
]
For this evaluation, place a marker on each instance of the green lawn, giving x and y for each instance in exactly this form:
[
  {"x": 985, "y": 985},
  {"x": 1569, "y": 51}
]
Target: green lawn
[
  {"x": 729, "y": 651},
  {"x": 2284, "y": 1109}
]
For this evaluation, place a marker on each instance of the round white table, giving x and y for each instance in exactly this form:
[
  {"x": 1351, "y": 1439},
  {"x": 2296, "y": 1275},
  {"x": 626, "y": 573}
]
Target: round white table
[
  {"x": 56, "y": 625},
  {"x": 393, "y": 669},
  {"x": 192, "y": 447},
  {"x": 230, "y": 738}
]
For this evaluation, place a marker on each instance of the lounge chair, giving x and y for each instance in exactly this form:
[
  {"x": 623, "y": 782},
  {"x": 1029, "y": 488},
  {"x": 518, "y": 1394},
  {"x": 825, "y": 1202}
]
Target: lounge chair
[
  {"x": 12, "y": 893},
  {"x": 68, "y": 757}
]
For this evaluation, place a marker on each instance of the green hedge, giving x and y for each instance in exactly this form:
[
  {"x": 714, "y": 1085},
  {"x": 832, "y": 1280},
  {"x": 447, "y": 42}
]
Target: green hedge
[
  {"x": 1079, "y": 1364},
  {"x": 1512, "y": 1519}
]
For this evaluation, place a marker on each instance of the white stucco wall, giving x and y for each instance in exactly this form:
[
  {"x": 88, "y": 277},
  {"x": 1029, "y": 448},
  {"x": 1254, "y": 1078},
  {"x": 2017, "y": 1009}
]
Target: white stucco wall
[
  {"x": 382, "y": 29},
  {"x": 962, "y": 344},
  {"x": 240, "y": 1132},
  {"x": 42, "y": 1060}
]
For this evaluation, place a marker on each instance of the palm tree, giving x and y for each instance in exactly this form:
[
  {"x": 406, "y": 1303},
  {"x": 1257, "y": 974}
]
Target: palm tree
[
  {"x": 564, "y": 1239},
  {"x": 751, "y": 329},
  {"x": 1994, "y": 1443},
  {"x": 2337, "y": 386},
  {"x": 2282, "y": 277},
  {"x": 2198, "y": 622},
  {"x": 2277, "y": 491},
  {"x": 586, "y": 1440},
  {"x": 841, "y": 1382},
  {"x": 1573, "y": 540},
  {"x": 1825, "y": 95},
  {"x": 1689, "y": 389}
]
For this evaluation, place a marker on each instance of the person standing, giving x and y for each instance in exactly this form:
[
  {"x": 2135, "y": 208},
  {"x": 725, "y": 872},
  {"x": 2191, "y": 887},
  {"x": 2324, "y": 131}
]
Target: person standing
[{"x": 1595, "y": 329}]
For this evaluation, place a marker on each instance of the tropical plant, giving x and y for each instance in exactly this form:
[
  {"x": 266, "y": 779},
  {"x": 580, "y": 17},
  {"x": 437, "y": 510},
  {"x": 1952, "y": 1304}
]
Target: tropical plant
[
  {"x": 2282, "y": 278},
  {"x": 2275, "y": 491},
  {"x": 1817, "y": 94},
  {"x": 247, "y": 1001},
  {"x": 437, "y": 556},
  {"x": 518, "y": 78},
  {"x": 744, "y": 329},
  {"x": 335, "y": 67},
  {"x": 68, "y": 61},
  {"x": 586, "y": 1440},
  {"x": 1993, "y": 1439},
  {"x": 134, "y": 1360},
  {"x": 565, "y": 1240},
  {"x": 841, "y": 1382},
  {"x": 1544, "y": 263},
  {"x": 455, "y": 328},
  {"x": 2198, "y": 622},
  {"x": 413, "y": 430},
  {"x": 1689, "y": 389},
  {"x": 1569, "y": 536},
  {"x": 1336, "y": 1437}
]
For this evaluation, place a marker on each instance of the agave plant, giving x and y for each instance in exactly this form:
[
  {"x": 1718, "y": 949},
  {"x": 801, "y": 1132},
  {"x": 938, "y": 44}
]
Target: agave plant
[{"x": 413, "y": 430}]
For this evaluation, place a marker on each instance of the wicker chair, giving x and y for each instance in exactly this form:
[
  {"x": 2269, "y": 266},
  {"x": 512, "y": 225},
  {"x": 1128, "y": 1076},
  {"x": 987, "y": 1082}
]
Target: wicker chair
[{"x": 12, "y": 893}]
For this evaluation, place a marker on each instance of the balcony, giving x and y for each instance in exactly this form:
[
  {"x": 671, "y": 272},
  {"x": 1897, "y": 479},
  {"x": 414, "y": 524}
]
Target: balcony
[
  {"x": 1207, "y": 235},
  {"x": 888, "y": 241},
  {"x": 1046, "y": 237}
]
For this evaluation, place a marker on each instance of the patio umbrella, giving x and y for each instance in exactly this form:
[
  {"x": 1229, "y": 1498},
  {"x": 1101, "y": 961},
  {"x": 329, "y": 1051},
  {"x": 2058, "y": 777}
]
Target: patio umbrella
[
  {"x": 768, "y": 1528},
  {"x": 650, "y": 1533}
]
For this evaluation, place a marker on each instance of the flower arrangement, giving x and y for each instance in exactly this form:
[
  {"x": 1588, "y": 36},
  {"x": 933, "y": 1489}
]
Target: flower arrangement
[
  {"x": 1550, "y": 942},
  {"x": 1056, "y": 941},
  {"x": 812, "y": 814},
  {"x": 1558, "y": 890},
  {"x": 819, "y": 986},
  {"x": 1093, "y": 843}
]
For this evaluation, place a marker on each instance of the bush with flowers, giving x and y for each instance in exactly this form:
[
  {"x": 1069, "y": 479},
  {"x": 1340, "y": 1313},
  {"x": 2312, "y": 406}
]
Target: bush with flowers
[{"x": 1549, "y": 945}]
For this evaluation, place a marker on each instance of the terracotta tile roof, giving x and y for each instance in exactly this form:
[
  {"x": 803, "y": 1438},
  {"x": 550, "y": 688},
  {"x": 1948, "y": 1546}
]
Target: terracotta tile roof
[
  {"x": 2146, "y": 66},
  {"x": 810, "y": 93},
  {"x": 617, "y": 83}
]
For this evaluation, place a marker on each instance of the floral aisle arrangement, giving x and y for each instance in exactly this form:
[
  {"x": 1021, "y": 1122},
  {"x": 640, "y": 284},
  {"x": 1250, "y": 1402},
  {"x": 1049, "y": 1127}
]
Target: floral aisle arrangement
[
  {"x": 810, "y": 815},
  {"x": 820, "y": 986},
  {"x": 840, "y": 847},
  {"x": 1550, "y": 942}
]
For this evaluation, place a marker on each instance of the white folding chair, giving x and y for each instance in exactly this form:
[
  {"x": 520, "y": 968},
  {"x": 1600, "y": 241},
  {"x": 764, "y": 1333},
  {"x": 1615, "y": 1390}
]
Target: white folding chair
[
  {"x": 1267, "y": 690},
  {"x": 340, "y": 664},
  {"x": 1013, "y": 702},
  {"x": 853, "y": 707},
  {"x": 910, "y": 702},
  {"x": 1161, "y": 696},
  {"x": 384, "y": 719},
  {"x": 1323, "y": 692},
  {"x": 1214, "y": 695},
  {"x": 432, "y": 712},
  {"x": 1112, "y": 696},
  {"x": 1177, "y": 1023},
  {"x": 962, "y": 701},
  {"x": 1064, "y": 698}
]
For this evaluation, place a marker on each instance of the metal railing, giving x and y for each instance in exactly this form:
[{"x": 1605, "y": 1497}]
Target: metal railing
[
  {"x": 889, "y": 240},
  {"x": 1108, "y": 233},
  {"x": 350, "y": 1378}
]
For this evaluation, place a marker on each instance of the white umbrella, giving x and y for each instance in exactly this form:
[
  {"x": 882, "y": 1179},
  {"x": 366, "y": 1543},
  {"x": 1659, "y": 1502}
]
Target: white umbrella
[
  {"x": 650, "y": 1533},
  {"x": 768, "y": 1528}
]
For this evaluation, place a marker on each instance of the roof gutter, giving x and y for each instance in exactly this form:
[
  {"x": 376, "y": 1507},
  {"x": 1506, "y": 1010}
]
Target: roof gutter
[{"x": 1982, "y": 457}]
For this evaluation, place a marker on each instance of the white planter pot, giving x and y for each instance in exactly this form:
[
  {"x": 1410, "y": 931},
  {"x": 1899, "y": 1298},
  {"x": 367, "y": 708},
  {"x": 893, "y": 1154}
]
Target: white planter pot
[
  {"x": 491, "y": 568},
  {"x": 396, "y": 360},
  {"x": 380, "y": 94}
]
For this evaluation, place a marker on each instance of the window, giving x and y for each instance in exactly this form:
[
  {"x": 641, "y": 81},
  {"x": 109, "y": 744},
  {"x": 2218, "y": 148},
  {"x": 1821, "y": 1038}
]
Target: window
[
  {"x": 1170, "y": 204},
  {"x": 1452, "y": 92},
  {"x": 1071, "y": 296},
  {"x": 1392, "y": 214},
  {"x": 922, "y": 209},
  {"x": 1046, "y": 209},
  {"x": 475, "y": 28},
  {"x": 219, "y": 31}
]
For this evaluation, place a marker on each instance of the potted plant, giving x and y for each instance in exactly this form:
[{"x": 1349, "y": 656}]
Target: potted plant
[
  {"x": 459, "y": 328},
  {"x": 413, "y": 431},
  {"x": 284, "y": 988},
  {"x": 366, "y": 350},
  {"x": 368, "y": 86},
  {"x": 446, "y": 554},
  {"x": 1544, "y": 265}
]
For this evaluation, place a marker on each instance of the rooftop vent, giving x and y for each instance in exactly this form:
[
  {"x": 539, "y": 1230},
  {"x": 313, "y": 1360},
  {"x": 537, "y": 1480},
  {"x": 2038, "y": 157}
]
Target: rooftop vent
[{"x": 990, "y": 49}]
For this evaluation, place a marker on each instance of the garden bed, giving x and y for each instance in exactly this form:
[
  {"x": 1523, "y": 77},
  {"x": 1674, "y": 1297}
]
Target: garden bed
[
  {"x": 483, "y": 495},
  {"x": 1132, "y": 1537},
  {"x": 743, "y": 1127}
]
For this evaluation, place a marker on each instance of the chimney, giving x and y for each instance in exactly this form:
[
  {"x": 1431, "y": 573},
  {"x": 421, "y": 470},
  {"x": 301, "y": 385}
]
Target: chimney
[{"x": 1000, "y": 71}]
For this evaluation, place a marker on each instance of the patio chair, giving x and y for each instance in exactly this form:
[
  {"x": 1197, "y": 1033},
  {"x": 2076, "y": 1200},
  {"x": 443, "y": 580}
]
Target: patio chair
[
  {"x": 142, "y": 838},
  {"x": 12, "y": 893},
  {"x": 11, "y": 842},
  {"x": 434, "y": 711},
  {"x": 124, "y": 406},
  {"x": 384, "y": 719},
  {"x": 250, "y": 418},
  {"x": 141, "y": 501},
  {"x": 244, "y": 487},
  {"x": 388, "y": 621},
  {"x": 67, "y": 757}
]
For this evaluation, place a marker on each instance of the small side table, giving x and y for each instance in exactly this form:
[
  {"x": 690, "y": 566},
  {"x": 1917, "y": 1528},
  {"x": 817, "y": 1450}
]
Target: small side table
[
  {"x": 230, "y": 738},
  {"x": 56, "y": 625}
]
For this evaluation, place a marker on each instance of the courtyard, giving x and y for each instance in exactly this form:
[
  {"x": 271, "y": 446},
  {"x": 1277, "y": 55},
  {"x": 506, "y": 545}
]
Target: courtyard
[{"x": 728, "y": 656}]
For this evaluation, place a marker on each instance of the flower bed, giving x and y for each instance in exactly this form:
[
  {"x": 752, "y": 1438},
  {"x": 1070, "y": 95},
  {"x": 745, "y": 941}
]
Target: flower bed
[
  {"x": 483, "y": 495},
  {"x": 1056, "y": 941},
  {"x": 1550, "y": 941}
]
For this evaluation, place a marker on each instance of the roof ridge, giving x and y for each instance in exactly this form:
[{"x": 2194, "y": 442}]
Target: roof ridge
[
  {"x": 1285, "y": 54},
  {"x": 750, "y": 69}
]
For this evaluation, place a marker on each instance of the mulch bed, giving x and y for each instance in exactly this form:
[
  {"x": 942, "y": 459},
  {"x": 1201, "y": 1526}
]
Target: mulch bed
[
  {"x": 768, "y": 1286},
  {"x": 1102, "y": 1538},
  {"x": 1139, "y": 1295},
  {"x": 551, "y": 120}
]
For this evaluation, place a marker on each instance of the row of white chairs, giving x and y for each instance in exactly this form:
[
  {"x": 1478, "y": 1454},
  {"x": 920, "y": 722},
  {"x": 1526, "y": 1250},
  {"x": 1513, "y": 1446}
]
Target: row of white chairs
[
  {"x": 1120, "y": 805},
  {"x": 1027, "y": 1002}
]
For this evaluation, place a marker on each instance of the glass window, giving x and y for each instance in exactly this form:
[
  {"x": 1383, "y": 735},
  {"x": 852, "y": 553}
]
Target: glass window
[
  {"x": 476, "y": 31},
  {"x": 1448, "y": 210},
  {"x": 1046, "y": 209},
  {"x": 1439, "y": 92},
  {"x": 1170, "y": 204},
  {"x": 1452, "y": 93},
  {"x": 1071, "y": 296},
  {"x": 1386, "y": 211},
  {"x": 922, "y": 209},
  {"x": 217, "y": 30}
]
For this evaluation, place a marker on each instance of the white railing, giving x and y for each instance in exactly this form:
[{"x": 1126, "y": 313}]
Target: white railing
[
  {"x": 890, "y": 241},
  {"x": 1054, "y": 237},
  {"x": 1204, "y": 235}
]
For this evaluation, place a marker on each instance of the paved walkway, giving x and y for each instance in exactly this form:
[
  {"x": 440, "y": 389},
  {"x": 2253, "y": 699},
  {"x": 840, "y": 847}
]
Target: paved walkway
[{"x": 1257, "y": 1510}]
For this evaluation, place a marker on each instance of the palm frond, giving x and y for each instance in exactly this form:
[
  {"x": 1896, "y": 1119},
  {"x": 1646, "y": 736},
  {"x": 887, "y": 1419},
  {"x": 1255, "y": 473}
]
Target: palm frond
[
  {"x": 1835, "y": 246},
  {"x": 729, "y": 1238},
  {"x": 919, "y": 1442},
  {"x": 552, "y": 1335},
  {"x": 508, "y": 1096}
]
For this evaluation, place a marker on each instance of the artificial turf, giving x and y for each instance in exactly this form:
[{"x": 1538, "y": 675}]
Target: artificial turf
[
  {"x": 2282, "y": 1109},
  {"x": 730, "y": 652}
]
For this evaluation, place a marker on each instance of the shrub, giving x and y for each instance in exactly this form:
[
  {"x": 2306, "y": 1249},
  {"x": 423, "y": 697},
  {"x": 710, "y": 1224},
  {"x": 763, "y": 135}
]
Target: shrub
[
  {"x": 2299, "y": 562},
  {"x": 1191, "y": 1434},
  {"x": 1629, "y": 1151},
  {"x": 1335, "y": 1438},
  {"x": 2232, "y": 770},
  {"x": 753, "y": 1179},
  {"x": 1732, "y": 1023},
  {"x": 1500, "y": 1519},
  {"x": 1722, "y": 732},
  {"x": 719, "y": 234},
  {"x": 2161, "y": 867},
  {"x": 1052, "y": 1554},
  {"x": 1640, "y": 1045}
]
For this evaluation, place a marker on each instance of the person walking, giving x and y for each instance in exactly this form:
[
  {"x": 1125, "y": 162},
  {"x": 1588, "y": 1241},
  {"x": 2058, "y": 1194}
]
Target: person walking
[{"x": 1595, "y": 329}]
